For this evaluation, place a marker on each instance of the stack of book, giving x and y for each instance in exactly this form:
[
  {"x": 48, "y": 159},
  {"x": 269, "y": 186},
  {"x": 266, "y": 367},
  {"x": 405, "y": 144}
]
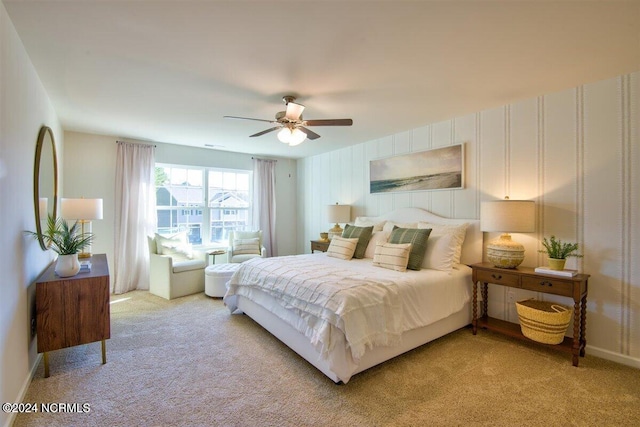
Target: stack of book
[
  {"x": 564, "y": 273},
  {"x": 85, "y": 266}
]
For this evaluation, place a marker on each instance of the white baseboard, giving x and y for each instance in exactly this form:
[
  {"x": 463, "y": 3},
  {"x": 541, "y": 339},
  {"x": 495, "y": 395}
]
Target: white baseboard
[
  {"x": 23, "y": 390},
  {"x": 614, "y": 357}
]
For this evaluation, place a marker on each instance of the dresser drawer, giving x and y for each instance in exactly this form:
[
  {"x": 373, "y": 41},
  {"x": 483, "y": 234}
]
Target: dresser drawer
[
  {"x": 548, "y": 285},
  {"x": 499, "y": 278}
]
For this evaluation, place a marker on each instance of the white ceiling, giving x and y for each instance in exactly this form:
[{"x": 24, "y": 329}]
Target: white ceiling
[{"x": 168, "y": 71}]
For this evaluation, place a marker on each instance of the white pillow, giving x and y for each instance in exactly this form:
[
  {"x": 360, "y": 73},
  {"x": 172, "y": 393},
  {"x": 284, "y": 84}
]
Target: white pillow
[
  {"x": 388, "y": 226},
  {"x": 440, "y": 253},
  {"x": 175, "y": 246},
  {"x": 364, "y": 221},
  {"x": 342, "y": 247},
  {"x": 246, "y": 246},
  {"x": 458, "y": 232},
  {"x": 379, "y": 236},
  {"x": 394, "y": 256}
]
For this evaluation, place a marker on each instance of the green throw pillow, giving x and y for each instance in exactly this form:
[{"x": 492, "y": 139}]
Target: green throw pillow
[
  {"x": 418, "y": 239},
  {"x": 363, "y": 234}
]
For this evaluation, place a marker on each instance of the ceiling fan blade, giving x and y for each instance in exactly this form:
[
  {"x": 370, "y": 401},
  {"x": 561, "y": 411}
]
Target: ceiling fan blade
[
  {"x": 310, "y": 134},
  {"x": 249, "y": 118},
  {"x": 294, "y": 111},
  {"x": 265, "y": 131},
  {"x": 329, "y": 122}
]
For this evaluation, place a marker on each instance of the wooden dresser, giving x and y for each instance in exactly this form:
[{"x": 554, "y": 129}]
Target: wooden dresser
[{"x": 73, "y": 310}]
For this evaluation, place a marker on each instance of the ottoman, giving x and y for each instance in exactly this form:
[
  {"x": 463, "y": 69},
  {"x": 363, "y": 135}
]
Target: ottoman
[{"x": 216, "y": 277}]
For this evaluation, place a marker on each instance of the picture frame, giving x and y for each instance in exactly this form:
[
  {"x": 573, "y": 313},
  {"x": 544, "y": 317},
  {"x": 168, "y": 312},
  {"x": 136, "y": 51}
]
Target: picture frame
[{"x": 436, "y": 169}]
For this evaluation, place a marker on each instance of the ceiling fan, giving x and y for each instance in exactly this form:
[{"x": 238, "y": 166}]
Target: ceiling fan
[{"x": 293, "y": 128}]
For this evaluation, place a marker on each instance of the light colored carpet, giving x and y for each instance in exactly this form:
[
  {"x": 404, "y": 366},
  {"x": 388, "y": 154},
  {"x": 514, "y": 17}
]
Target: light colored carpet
[{"x": 189, "y": 362}]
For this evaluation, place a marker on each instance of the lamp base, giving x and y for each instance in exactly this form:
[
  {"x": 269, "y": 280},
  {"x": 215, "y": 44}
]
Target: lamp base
[
  {"x": 335, "y": 231},
  {"x": 504, "y": 252}
]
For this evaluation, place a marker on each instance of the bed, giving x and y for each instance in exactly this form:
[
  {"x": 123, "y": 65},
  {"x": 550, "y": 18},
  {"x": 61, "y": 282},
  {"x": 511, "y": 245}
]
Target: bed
[{"x": 345, "y": 316}]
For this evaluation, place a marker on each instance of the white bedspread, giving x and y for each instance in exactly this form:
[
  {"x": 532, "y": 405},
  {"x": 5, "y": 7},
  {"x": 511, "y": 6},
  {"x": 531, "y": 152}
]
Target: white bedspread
[{"x": 370, "y": 305}]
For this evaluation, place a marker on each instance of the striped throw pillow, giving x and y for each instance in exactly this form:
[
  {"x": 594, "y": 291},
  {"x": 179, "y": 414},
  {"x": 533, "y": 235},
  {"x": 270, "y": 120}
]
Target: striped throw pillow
[
  {"x": 246, "y": 246},
  {"x": 363, "y": 234},
  {"x": 393, "y": 256},
  {"x": 417, "y": 238},
  {"x": 342, "y": 247}
]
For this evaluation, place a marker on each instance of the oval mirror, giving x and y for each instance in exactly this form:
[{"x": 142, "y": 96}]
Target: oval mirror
[{"x": 45, "y": 181}]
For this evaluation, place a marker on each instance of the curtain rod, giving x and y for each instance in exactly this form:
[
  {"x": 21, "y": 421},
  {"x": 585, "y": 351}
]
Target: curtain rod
[
  {"x": 137, "y": 143},
  {"x": 258, "y": 158}
]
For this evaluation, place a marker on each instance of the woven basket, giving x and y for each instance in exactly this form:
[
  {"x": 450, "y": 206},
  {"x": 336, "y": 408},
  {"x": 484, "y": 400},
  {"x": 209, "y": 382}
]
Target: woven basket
[{"x": 543, "y": 321}]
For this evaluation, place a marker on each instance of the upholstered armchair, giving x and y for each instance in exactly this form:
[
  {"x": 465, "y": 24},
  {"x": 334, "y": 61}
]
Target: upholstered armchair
[
  {"x": 245, "y": 245},
  {"x": 175, "y": 269}
]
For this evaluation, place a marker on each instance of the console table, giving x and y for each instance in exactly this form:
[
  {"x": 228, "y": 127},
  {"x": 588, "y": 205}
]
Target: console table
[
  {"x": 575, "y": 287},
  {"x": 73, "y": 310}
]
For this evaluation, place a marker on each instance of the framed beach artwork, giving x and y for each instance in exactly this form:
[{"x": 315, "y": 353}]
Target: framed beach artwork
[{"x": 437, "y": 169}]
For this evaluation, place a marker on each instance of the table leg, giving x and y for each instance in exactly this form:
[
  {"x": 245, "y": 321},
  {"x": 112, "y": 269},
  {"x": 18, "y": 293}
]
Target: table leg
[
  {"x": 46, "y": 364},
  {"x": 485, "y": 299},
  {"x": 576, "y": 331},
  {"x": 104, "y": 352},
  {"x": 475, "y": 308},
  {"x": 583, "y": 325}
]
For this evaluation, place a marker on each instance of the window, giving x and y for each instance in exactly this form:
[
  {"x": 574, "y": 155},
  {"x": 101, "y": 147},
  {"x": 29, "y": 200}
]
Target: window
[{"x": 206, "y": 202}]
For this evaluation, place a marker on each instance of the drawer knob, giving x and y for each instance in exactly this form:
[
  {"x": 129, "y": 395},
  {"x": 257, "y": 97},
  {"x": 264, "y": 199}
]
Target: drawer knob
[
  {"x": 546, "y": 283},
  {"x": 496, "y": 276}
]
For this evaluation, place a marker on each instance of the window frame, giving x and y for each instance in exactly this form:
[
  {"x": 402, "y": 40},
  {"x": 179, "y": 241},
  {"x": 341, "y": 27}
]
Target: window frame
[{"x": 206, "y": 225}]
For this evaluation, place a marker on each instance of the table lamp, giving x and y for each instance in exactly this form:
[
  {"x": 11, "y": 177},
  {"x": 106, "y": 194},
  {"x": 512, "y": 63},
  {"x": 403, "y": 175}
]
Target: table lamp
[
  {"x": 82, "y": 210},
  {"x": 507, "y": 216},
  {"x": 338, "y": 214}
]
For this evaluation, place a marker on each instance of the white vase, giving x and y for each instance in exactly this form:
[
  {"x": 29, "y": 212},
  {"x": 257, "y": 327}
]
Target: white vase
[{"x": 67, "y": 265}]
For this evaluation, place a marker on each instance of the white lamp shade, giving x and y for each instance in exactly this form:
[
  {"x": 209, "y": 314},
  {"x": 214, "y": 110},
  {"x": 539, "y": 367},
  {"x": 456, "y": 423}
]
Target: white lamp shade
[
  {"x": 82, "y": 209},
  {"x": 339, "y": 213},
  {"x": 284, "y": 134},
  {"x": 508, "y": 216}
]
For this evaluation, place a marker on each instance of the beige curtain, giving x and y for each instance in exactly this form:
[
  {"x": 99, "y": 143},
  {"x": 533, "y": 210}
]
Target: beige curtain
[
  {"x": 264, "y": 202},
  {"x": 134, "y": 215}
]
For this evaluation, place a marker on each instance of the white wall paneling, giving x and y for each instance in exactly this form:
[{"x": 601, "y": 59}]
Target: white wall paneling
[{"x": 576, "y": 153}]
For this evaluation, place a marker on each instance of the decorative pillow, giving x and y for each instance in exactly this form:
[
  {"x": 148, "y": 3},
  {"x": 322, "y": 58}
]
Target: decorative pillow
[
  {"x": 417, "y": 238},
  {"x": 175, "y": 246},
  {"x": 389, "y": 225},
  {"x": 376, "y": 237},
  {"x": 363, "y": 234},
  {"x": 248, "y": 235},
  {"x": 342, "y": 247},
  {"x": 364, "y": 221},
  {"x": 393, "y": 256},
  {"x": 441, "y": 251},
  {"x": 246, "y": 246},
  {"x": 458, "y": 232}
]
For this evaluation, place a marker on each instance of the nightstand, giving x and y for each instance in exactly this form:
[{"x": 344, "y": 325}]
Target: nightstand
[
  {"x": 319, "y": 245},
  {"x": 575, "y": 287}
]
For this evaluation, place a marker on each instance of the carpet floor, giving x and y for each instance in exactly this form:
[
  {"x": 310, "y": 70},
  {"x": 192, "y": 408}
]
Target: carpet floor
[{"x": 189, "y": 362}]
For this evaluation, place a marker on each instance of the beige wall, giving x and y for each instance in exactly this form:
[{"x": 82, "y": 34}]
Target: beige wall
[
  {"x": 576, "y": 153},
  {"x": 24, "y": 108}
]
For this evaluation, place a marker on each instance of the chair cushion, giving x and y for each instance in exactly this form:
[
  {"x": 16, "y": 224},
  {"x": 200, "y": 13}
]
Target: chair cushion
[{"x": 194, "y": 264}]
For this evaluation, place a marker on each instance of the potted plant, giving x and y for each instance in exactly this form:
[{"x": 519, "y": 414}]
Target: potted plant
[
  {"x": 66, "y": 241},
  {"x": 558, "y": 252}
]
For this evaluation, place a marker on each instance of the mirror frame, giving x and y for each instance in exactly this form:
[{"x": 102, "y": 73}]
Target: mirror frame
[{"x": 44, "y": 132}]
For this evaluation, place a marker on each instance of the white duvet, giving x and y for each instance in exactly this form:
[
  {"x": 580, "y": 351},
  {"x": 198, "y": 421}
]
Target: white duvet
[{"x": 369, "y": 305}]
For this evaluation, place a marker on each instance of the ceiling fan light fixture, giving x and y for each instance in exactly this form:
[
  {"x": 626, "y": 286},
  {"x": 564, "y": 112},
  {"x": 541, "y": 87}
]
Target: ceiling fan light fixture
[
  {"x": 284, "y": 135},
  {"x": 297, "y": 137},
  {"x": 291, "y": 136}
]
